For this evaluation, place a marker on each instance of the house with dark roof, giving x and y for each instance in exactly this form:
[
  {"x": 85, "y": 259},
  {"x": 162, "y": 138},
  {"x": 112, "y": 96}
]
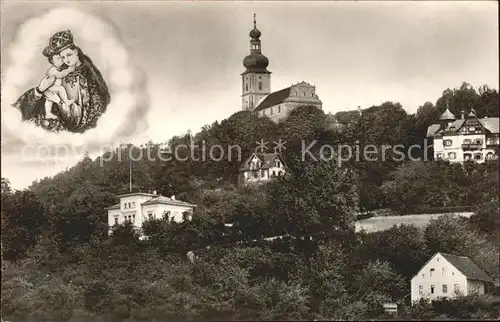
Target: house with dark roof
[
  {"x": 256, "y": 86},
  {"x": 258, "y": 168},
  {"x": 446, "y": 275},
  {"x": 467, "y": 138},
  {"x": 138, "y": 207}
]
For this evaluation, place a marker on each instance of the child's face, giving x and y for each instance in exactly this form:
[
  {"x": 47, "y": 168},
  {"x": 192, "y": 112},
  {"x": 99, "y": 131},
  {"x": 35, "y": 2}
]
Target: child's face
[{"x": 57, "y": 61}]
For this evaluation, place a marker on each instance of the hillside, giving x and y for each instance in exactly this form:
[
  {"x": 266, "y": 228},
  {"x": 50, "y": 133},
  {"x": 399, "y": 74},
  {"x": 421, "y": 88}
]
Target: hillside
[{"x": 59, "y": 264}]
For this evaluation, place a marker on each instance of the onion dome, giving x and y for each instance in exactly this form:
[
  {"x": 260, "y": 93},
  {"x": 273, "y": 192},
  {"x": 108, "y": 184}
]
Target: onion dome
[
  {"x": 447, "y": 115},
  {"x": 255, "y": 62},
  {"x": 255, "y": 33}
]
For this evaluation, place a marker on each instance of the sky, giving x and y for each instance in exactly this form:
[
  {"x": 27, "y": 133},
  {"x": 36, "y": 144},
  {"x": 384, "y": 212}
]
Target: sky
[{"x": 189, "y": 59}]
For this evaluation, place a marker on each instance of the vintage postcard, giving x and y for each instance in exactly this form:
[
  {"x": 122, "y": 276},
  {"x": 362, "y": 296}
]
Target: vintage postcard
[{"x": 250, "y": 160}]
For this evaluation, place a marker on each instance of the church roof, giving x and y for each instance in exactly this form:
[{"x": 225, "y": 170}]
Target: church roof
[{"x": 274, "y": 98}]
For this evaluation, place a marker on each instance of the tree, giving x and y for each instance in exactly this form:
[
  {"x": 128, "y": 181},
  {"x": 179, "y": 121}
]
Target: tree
[
  {"x": 302, "y": 122},
  {"x": 487, "y": 219},
  {"x": 23, "y": 220},
  {"x": 453, "y": 235},
  {"x": 403, "y": 247},
  {"x": 320, "y": 199},
  {"x": 460, "y": 99},
  {"x": 6, "y": 188}
]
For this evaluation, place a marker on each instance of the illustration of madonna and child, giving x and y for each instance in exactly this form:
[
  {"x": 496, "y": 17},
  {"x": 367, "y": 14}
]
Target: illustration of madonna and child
[{"x": 71, "y": 96}]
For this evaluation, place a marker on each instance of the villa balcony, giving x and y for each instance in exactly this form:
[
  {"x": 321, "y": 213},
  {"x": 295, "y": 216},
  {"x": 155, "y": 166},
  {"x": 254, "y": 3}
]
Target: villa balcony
[{"x": 472, "y": 146}]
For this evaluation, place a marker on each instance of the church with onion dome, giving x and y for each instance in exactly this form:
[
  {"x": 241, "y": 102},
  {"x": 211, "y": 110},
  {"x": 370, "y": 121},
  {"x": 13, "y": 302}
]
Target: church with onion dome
[{"x": 256, "y": 86}]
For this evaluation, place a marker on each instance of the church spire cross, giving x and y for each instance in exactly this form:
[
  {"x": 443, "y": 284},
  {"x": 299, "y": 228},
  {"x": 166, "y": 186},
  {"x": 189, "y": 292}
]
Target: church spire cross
[{"x": 254, "y": 21}]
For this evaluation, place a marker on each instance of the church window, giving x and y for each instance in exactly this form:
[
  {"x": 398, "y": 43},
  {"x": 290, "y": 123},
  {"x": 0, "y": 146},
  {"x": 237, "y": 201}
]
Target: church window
[
  {"x": 452, "y": 155},
  {"x": 271, "y": 109},
  {"x": 478, "y": 156},
  {"x": 447, "y": 142},
  {"x": 279, "y": 108},
  {"x": 260, "y": 85},
  {"x": 246, "y": 87},
  {"x": 116, "y": 220},
  {"x": 133, "y": 218}
]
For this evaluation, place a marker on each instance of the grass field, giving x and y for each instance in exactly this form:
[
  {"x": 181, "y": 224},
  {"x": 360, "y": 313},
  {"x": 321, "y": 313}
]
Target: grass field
[{"x": 382, "y": 223}]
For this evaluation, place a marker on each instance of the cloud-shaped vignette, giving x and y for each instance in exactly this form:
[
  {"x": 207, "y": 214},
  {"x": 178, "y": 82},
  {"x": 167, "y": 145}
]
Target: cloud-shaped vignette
[{"x": 125, "y": 115}]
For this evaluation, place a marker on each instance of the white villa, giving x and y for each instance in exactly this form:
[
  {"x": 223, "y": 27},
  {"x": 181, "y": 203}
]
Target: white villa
[
  {"x": 262, "y": 167},
  {"x": 138, "y": 207},
  {"x": 446, "y": 275},
  {"x": 466, "y": 139}
]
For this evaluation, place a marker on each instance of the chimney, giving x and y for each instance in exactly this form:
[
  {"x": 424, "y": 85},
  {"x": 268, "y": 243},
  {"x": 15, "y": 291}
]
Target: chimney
[
  {"x": 173, "y": 197},
  {"x": 463, "y": 114}
]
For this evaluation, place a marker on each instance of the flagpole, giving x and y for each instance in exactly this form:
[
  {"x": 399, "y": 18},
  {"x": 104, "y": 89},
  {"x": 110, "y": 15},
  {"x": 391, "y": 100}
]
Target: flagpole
[{"x": 130, "y": 174}]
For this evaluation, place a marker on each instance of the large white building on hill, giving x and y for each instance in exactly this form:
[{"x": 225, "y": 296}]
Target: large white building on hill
[
  {"x": 256, "y": 86},
  {"x": 467, "y": 138},
  {"x": 138, "y": 207}
]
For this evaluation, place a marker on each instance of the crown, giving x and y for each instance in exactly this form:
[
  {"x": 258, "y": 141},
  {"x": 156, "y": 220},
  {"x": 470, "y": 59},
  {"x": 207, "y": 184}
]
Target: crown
[{"x": 58, "y": 42}]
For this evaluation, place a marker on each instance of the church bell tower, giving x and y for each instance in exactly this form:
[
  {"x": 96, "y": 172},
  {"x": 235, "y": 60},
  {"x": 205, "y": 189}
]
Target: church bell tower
[{"x": 256, "y": 79}]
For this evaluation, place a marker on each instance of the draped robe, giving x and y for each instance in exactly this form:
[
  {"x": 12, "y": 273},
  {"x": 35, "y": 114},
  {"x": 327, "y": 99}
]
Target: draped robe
[{"x": 86, "y": 85}]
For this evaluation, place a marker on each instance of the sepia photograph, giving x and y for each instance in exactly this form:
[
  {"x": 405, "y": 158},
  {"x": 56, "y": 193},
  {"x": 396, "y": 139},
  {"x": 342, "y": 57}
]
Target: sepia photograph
[{"x": 249, "y": 160}]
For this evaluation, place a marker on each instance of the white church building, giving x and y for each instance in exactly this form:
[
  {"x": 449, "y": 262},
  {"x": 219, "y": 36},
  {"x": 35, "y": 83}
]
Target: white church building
[
  {"x": 138, "y": 207},
  {"x": 256, "y": 87}
]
